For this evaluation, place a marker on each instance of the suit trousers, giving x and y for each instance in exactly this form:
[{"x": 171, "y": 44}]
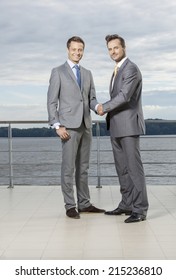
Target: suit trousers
[
  {"x": 75, "y": 161},
  {"x": 129, "y": 167}
]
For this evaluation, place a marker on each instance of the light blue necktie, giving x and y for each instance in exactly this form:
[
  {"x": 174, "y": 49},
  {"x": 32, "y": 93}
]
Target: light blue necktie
[{"x": 78, "y": 75}]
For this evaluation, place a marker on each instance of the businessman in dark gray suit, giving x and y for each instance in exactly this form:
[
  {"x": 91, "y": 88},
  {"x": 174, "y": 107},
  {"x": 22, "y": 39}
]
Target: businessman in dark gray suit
[
  {"x": 71, "y": 95},
  {"x": 126, "y": 123}
]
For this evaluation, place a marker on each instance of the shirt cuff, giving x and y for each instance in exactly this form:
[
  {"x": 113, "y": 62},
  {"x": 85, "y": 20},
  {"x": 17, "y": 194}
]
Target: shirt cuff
[
  {"x": 55, "y": 125},
  {"x": 96, "y": 107}
]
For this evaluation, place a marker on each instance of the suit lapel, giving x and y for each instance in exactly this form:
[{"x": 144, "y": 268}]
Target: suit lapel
[
  {"x": 123, "y": 65},
  {"x": 111, "y": 85},
  {"x": 117, "y": 77},
  {"x": 82, "y": 77},
  {"x": 71, "y": 74}
]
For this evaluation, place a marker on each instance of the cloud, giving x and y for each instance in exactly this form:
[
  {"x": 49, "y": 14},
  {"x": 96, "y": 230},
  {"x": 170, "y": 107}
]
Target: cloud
[
  {"x": 23, "y": 112},
  {"x": 159, "y": 112},
  {"x": 33, "y": 37}
]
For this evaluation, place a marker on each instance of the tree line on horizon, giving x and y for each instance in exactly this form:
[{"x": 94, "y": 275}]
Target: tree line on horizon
[{"x": 152, "y": 128}]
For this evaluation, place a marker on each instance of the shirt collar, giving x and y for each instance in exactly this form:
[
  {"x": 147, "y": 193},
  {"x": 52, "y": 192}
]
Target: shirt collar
[
  {"x": 121, "y": 62},
  {"x": 70, "y": 63}
]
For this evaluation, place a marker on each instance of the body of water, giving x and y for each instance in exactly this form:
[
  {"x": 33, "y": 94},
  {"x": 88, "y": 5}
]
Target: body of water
[{"x": 37, "y": 161}]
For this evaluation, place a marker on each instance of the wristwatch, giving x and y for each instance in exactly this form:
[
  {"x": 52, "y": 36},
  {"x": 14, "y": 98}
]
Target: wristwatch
[{"x": 57, "y": 127}]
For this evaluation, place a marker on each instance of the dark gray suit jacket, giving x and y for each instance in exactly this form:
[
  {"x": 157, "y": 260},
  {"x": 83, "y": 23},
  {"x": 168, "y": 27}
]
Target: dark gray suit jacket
[{"x": 125, "y": 116}]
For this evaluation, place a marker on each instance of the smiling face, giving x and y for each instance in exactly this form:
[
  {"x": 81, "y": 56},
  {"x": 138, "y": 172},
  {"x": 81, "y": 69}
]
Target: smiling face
[
  {"x": 116, "y": 51},
  {"x": 75, "y": 51}
]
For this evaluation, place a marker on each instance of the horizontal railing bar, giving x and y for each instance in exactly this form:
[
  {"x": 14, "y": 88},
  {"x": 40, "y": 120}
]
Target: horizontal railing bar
[
  {"x": 93, "y": 163},
  {"x": 47, "y": 151},
  {"x": 151, "y": 150},
  {"x": 44, "y": 151},
  {"x": 149, "y": 162},
  {"x": 93, "y": 121},
  {"x": 22, "y": 122},
  {"x": 90, "y": 176}
]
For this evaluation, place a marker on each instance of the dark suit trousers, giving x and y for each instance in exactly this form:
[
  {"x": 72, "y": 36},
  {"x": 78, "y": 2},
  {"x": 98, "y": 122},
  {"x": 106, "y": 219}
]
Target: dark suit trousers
[{"x": 131, "y": 175}]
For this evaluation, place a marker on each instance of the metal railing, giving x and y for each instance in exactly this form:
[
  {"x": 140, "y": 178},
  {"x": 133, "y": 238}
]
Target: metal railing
[{"x": 97, "y": 151}]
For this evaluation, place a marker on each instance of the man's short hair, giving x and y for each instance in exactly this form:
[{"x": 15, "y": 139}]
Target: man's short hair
[
  {"x": 75, "y": 39},
  {"x": 109, "y": 38}
]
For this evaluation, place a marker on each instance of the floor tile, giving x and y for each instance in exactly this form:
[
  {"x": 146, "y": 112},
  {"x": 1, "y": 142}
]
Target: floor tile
[{"x": 33, "y": 225}]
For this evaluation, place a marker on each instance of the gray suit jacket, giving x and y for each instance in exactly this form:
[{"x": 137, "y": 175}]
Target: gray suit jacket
[
  {"x": 125, "y": 116},
  {"x": 66, "y": 102}
]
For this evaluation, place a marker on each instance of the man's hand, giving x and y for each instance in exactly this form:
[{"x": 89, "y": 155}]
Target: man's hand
[
  {"x": 100, "y": 110},
  {"x": 63, "y": 133}
]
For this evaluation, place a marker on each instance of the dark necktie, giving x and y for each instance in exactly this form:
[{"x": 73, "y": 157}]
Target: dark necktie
[{"x": 78, "y": 75}]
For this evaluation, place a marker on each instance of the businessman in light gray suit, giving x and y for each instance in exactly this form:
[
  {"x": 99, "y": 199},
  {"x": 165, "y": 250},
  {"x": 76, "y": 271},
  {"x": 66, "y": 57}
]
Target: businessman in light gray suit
[
  {"x": 126, "y": 123},
  {"x": 71, "y": 95}
]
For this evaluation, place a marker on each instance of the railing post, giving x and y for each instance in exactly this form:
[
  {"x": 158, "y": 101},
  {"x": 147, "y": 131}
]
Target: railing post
[
  {"x": 98, "y": 155},
  {"x": 10, "y": 157}
]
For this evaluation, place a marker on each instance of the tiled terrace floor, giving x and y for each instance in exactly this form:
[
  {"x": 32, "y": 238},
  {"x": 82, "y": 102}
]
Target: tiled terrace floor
[{"x": 33, "y": 225}]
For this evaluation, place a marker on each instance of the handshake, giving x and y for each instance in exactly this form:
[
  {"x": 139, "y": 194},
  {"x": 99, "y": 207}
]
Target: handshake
[{"x": 100, "y": 110}]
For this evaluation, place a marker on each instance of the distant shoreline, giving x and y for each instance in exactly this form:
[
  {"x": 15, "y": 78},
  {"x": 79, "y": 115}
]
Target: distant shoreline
[{"x": 153, "y": 127}]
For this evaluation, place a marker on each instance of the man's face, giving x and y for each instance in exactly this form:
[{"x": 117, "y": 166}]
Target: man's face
[
  {"x": 116, "y": 51},
  {"x": 75, "y": 51}
]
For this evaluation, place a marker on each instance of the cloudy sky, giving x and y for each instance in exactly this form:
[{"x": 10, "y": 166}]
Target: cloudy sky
[{"x": 33, "y": 37}]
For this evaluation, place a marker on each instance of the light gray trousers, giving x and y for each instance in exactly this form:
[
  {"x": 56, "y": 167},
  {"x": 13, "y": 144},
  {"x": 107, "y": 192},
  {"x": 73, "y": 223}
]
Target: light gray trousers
[
  {"x": 131, "y": 175},
  {"x": 75, "y": 161}
]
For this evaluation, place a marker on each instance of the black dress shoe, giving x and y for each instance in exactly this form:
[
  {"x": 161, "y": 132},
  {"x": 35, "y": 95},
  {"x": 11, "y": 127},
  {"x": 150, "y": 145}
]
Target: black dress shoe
[
  {"x": 135, "y": 217},
  {"x": 72, "y": 213},
  {"x": 91, "y": 209},
  {"x": 118, "y": 211}
]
